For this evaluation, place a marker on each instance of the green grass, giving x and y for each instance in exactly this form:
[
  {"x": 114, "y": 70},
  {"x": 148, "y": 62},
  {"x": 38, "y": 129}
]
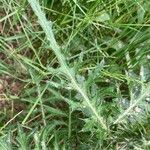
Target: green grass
[{"x": 83, "y": 74}]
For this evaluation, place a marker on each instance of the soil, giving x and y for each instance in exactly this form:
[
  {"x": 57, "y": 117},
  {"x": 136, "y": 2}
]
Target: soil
[{"x": 8, "y": 85}]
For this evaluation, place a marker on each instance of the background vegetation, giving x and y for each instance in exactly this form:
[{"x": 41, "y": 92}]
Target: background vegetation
[{"x": 74, "y": 74}]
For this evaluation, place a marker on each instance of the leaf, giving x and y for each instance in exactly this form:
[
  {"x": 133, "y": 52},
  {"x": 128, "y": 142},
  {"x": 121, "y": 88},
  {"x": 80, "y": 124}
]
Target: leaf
[
  {"x": 103, "y": 17},
  {"x": 47, "y": 27},
  {"x": 143, "y": 95},
  {"x": 54, "y": 111}
]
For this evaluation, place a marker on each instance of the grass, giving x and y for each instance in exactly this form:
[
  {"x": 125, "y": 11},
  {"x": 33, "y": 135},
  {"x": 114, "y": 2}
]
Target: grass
[{"x": 74, "y": 74}]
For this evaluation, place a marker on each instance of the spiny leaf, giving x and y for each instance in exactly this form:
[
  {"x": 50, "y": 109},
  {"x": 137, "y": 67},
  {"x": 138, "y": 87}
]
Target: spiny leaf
[
  {"x": 47, "y": 27},
  {"x": 143, "y": 95}
]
